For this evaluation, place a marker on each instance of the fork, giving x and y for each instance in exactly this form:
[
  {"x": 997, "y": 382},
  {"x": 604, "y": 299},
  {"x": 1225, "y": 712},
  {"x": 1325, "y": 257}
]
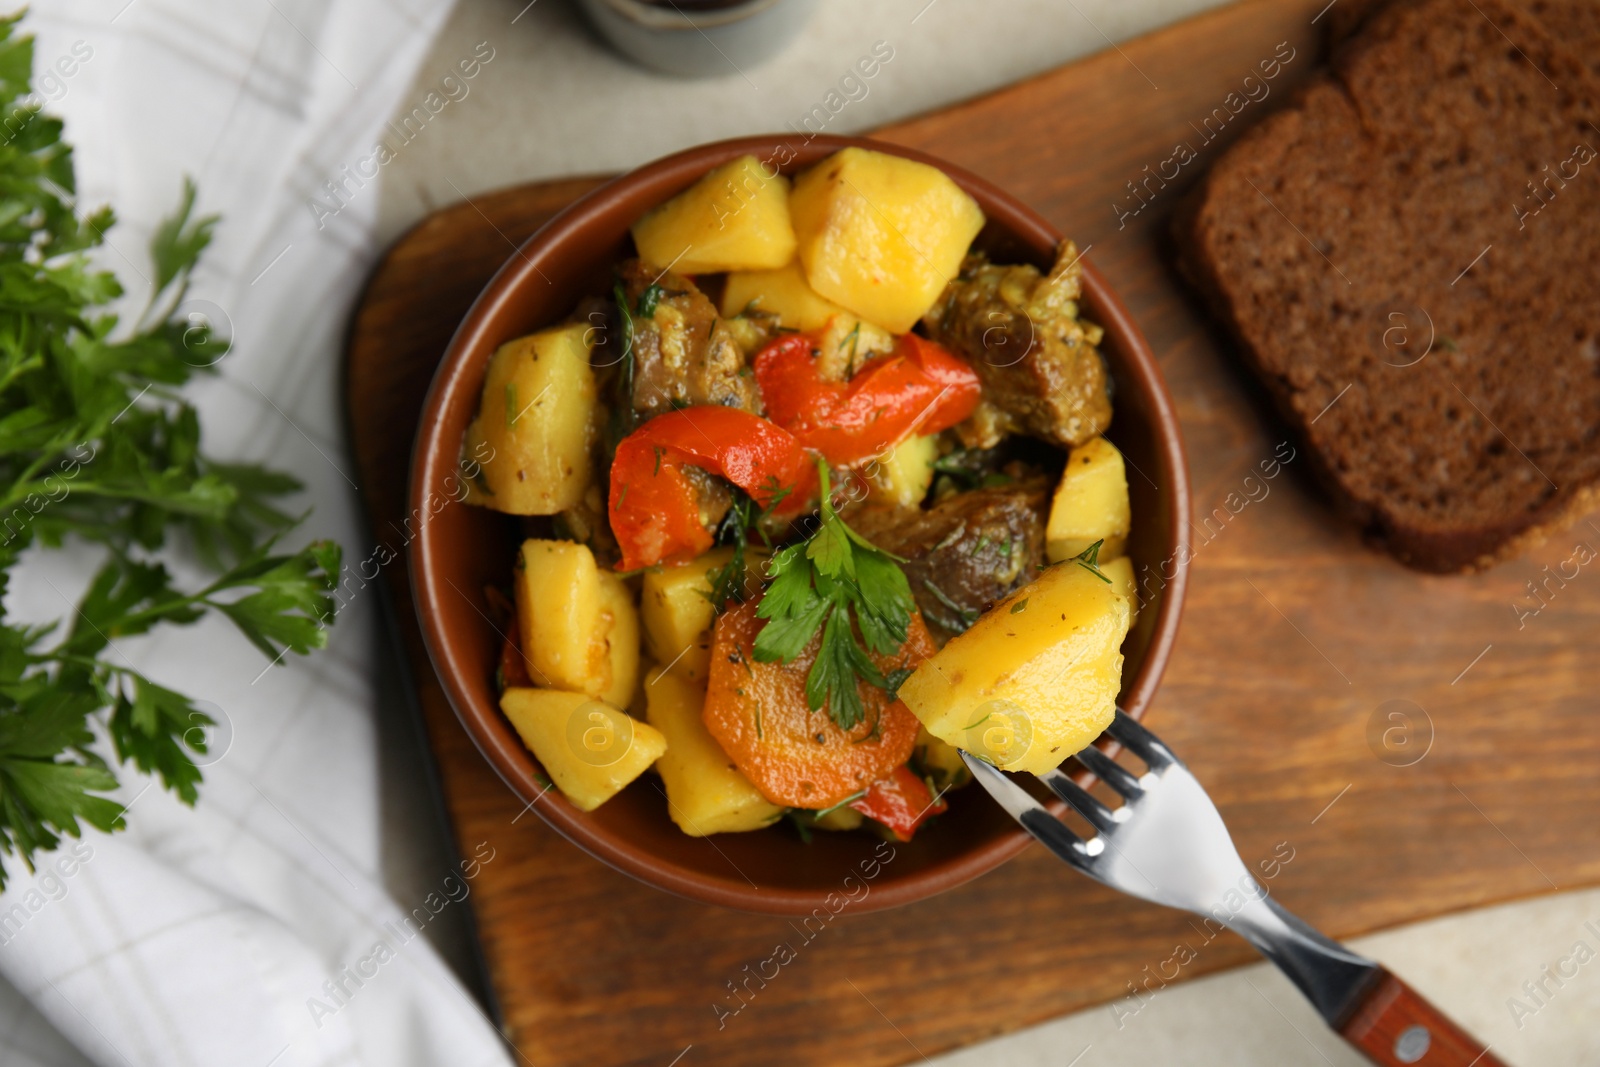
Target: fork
[{"x": 1167, "y": 844}]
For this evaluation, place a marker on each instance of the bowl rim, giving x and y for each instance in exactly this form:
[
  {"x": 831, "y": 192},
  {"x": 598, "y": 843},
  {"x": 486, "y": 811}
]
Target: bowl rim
[{"x": 433, "y": 458}]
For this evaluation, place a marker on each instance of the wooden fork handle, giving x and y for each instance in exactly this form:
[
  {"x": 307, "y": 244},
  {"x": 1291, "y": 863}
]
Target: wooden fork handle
[{"x": 1395, "y": 1027}]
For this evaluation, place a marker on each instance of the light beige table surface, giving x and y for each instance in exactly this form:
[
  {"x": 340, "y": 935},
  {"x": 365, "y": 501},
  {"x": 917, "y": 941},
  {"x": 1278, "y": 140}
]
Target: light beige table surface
[{"x": 553, "y": 102}]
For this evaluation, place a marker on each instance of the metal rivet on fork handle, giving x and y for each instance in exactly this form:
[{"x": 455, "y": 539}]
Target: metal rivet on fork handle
[{"x": 1412, "y": 1044}]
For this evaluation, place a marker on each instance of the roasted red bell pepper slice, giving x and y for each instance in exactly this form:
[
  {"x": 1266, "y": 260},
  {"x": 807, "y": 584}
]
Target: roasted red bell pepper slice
[
  {"x": 900, "y": 802},
  {"x": 655, "y": 511},
  {"x": 919, "y": 388}
]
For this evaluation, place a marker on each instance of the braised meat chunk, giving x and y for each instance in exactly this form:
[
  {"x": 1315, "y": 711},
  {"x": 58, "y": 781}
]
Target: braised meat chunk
[
  {"x": 967, "y": 551},
  {"x": 1042, "y": 374},
  {"x": 684, "y": 354},
  {"x": 712, "y": 495}
]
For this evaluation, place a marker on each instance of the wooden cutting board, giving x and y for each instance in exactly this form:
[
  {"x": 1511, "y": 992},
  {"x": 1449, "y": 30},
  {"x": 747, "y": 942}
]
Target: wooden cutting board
[{"x": 1299, "y": 644}]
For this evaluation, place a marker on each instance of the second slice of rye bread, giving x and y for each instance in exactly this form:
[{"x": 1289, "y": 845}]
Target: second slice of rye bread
[{"x": 1409, "y": 258}]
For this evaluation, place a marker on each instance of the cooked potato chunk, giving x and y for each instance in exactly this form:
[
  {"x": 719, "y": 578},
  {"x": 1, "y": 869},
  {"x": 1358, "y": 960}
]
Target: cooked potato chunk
[
  {"x": 620, "y": 621},
  {"x": 1035, "y": 679},
  {"x": 903, "y": 475},
  {"x": 881, "y": 235},
  {"x": 705, "y": 793},
  {"x": 1091, "y": 504},
  {"x": 589, "y": 749},
  {"x": 735, "y": 218},
  {"x": 677, "y": 613},
  {"x": 537, "y": 417},
  {"x": 1120, "y": 571},
  {"x": 782, "y": 292},
  {"x": 847, "y": 342},
  {"x": 563, "y": 618}
]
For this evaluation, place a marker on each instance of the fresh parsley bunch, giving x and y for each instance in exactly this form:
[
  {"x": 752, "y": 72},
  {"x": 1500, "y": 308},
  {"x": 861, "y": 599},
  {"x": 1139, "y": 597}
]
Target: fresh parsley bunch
[{"x": 97, "y": 445}]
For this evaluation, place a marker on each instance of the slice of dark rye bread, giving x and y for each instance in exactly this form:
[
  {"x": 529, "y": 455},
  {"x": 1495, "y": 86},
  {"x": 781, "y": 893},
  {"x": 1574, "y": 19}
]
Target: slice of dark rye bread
[
  {"x": 1575, "y": 23},
  {"x": 1409, "y": 258}
]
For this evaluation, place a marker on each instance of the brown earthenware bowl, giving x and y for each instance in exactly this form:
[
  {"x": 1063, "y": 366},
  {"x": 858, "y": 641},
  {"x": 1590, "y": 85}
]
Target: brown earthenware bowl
[{"x": 460, "y": 550}]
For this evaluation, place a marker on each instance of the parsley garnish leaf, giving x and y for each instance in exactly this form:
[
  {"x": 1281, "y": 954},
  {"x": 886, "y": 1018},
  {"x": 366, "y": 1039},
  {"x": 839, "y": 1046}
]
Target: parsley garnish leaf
[
  {"x": 830, "y": 551},
  {"x": 178, "y": 241},
  {"x": 884, "y": 617},
  {"x": 837, "y": 582},
  {"x": 648, "y": 300},
  {"x": 895, "y": 679}
]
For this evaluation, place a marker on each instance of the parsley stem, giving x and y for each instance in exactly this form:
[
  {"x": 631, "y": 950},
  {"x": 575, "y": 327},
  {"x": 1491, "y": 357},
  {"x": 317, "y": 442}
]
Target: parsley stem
[
  {"x": 19, "y": 369},
  {"x": 167, "y": 501},
  {"x": 847, "y": 800}
]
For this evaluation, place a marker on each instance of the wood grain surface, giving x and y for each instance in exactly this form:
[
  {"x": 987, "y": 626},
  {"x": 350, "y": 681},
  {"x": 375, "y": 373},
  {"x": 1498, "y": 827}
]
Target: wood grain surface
[{"x": 1387, "y": 746}]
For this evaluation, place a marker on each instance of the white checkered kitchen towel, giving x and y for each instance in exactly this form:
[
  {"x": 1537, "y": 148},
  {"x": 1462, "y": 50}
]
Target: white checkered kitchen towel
[{"x": 254, "y": 930}]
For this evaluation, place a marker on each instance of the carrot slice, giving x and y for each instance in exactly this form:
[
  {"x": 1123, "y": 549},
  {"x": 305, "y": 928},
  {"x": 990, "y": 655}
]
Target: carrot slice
[{"x": 793, "y": 755}]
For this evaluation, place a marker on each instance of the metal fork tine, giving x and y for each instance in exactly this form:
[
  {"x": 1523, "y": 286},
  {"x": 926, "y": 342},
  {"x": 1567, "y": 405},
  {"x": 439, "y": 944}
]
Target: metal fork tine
[
  {"x": 1033, "y": 816},
  {"x": 1009, "y": 794},
  {"x": 1110, "y": 772},
  {"x": 1141, "y": 742},
  {"x": 1086, "y": 805}
]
